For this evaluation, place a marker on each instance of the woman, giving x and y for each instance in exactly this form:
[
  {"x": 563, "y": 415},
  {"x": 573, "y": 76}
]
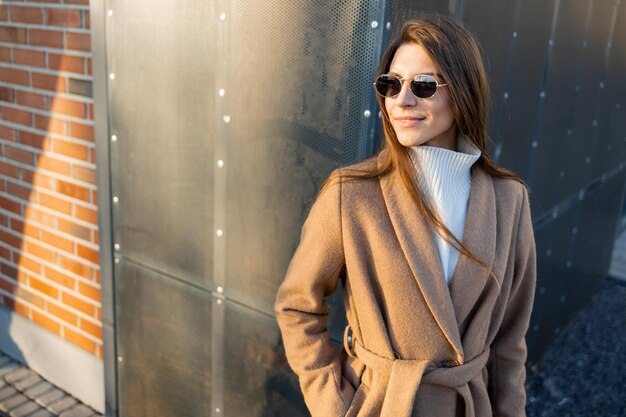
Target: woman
[{"x": 436, "y": 247}]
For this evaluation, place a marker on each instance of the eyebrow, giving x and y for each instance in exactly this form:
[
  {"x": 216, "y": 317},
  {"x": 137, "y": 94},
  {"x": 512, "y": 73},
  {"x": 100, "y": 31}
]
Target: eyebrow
[{"x": 419, "y": 73}]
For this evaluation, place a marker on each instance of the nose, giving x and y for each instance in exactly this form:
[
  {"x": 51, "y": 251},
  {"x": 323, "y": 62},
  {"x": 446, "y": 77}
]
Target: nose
[{"x": 406, "y": 97}]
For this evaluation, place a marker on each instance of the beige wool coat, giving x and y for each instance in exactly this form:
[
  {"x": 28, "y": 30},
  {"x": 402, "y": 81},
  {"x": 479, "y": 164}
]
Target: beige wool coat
[{"x": 416, "y": 346}]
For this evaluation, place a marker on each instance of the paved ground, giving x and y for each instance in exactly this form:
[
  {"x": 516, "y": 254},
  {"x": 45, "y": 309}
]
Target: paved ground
[{"x": 584, "y": 372}]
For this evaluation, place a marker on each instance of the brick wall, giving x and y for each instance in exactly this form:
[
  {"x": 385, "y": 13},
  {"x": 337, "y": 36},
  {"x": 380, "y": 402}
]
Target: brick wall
[{"x": 48, "y": 219}]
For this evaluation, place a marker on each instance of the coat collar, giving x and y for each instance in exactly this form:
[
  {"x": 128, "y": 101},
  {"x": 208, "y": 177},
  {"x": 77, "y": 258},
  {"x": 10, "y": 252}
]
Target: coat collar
[{"x": 450, "y": 306}]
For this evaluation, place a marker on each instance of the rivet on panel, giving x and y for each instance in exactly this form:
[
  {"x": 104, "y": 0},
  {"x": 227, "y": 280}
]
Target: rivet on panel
[
  {"x": 222, "y": 16},
  {"x": 562, "y": 174},
  {"x": 388, "y": 25},
  {"x": 120, "y": 359},
  {"x": 588, "y": 160},
  {"x": 367, "y": 113},
  {"x": 380, "y": 114},
  {"x": 110, "y": 13},
  {"x": 515, "y": 34},
  {"x": 117, "y": 260},
  {"x": 219, "y": 301},
  {"x": 220, "y": 163},
  {"x": 563, "y": 298},
  {"x": 568, "y": 264},
  {"x": 218, "y": 410},
  {"x": 113, "y": 138},
  {"x": 220, "y": 290},
  {"x": 116, "y": 246},
  {"x": 505, "y": 95},
  {"x": 374, "y": 24},
  {"x": 618, "y": 106},
  {"x": 601, "y": 84},
  {"x": 594, "y": 123},
  {"x": 542, "y": 290},
  {"x": 535, "y": 144},
  {"x": 551, "y": 42},
  {"x": 226, "y": 119},
  {"x": 112, "y": 76},
  {"x": 536, "y": 327},
  {"x": 577, "y": 89},
  {"x": 569, "y": 132},
  {"x": 116, "y": 199},
  {"x": 575, "y": 230},
  {"x": 219, "y": 232},
  {"x": 584, "y": 43},
  {"x": 549, "y": 252},
  {"x": 609, "y": 147},
  {"x": 221, "y": 92},
  {"x": 555, "y": 213},
  {"x": 609, "y": 45},
  {"x": 581, "y": 194},
  {"x": 542, "y": 94}
]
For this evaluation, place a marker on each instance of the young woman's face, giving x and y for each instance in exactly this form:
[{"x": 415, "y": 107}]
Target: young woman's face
[{"x": 419, "y": 121}]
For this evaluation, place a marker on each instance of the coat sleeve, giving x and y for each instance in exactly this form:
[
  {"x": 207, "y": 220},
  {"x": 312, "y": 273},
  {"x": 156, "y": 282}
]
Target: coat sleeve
[
  {"x": 302, "y": 313},
  {"x": 508, "y": 351}
]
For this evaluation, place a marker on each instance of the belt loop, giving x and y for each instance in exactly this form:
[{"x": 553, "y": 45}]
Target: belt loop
[{"x": 348, "y": 341}]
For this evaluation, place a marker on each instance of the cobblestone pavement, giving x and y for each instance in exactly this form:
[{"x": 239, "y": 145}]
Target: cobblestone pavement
[{"x": 584, "y": 372}]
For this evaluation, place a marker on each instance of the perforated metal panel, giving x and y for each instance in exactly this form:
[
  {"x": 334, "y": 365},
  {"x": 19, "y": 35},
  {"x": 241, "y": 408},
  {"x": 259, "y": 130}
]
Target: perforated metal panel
[{"x": 224, "y": 119}]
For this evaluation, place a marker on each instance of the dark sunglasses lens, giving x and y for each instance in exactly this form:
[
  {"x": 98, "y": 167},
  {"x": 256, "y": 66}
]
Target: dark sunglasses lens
[
  {"x": 388, "y": 86},
  {"x": 423, "y": 86}
]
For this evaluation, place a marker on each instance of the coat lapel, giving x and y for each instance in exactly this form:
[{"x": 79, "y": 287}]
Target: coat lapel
[{"x": 417, "y": 240}]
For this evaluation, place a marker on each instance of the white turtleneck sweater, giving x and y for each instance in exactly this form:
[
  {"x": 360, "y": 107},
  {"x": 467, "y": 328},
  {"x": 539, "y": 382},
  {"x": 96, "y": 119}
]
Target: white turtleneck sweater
[{"x": 445, "y": 178}]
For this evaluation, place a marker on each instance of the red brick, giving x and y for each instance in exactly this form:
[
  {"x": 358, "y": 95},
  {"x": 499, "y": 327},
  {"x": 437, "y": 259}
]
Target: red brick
[
  {"x": 28, "y": 57},
  {"x": 74, "y": 150},
  {"x": 84, "y": 174},
  {"x": 7, "y": 285},
  {"x": 48, "y": 82},
  {"x": 28, "y": 296},
  {"x": 37, "y": 101},
  {"x": 19, "y": 154},
  {"x": 77, "y": 1},
  {"x": 14, "y": 76},
  {"x": 30, "y": 264},
  {"x": 50, "y": 124},
  {"x": 87, "y": 19},
  {"x": 27, "y": 229},
  {"x": 26, "y": 14},
  {"x": 19, "y": 191},
  {"x": 7, "y": 94},
  {"x": 55, "y": 203},
  {"x": 74, "y": 229},
  {"x": 59, "y": 277},
  {"x": 46, "y": 322},
  {"x": 69, "y": 63},
  {"x": 87, "y": 253},
  {"x": 5, "y": 54},
  {"x": 12, "y": 34},
  {"x": 77, "y": 303},
  {"x": 10, "y": 205},
  {"x": 8, "y": 169},
  {"x": 81, "y": 131},
  {"x": 42, "y": 37},
  {"x": 76, "y": 267},
  {"x": 4, "y": 15},
  {"x": 17, "y": 116},
  {"x": 52, "y": 164},
  {"x": 57, "y": 241},
  {"x": 4, "y": 252},
  {"x": 93, "y": 292},
  {"x": 62, "y": 313},
  {"x": 91, "y": 328},
  {"x": 73, "y": 190},
  {"x": 78, "y": 41},
  {"x": 31, "y": 139},
  {"x": 8, "y": 271},
  {"x": 79, "y": 340},
  {"x": 43, "y": 287},
  {"x": 62, "y": 17},
  {"x": 41, "y": 217},
  {"x": 7, "y": 133},
  {"x": 86, "y": 214},
  {"x": 16, "y": 305},
  {"x": 68, "y": 107},
  {"x": 41, "y": 253}
]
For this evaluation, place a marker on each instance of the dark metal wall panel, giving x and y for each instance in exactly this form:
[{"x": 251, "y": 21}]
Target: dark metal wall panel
[
  {"x": 164, "y": 349},
  {"x": 161, "y": 104}
]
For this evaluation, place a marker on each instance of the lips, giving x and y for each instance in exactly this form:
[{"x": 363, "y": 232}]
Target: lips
[{"x": 409, "y": 121}]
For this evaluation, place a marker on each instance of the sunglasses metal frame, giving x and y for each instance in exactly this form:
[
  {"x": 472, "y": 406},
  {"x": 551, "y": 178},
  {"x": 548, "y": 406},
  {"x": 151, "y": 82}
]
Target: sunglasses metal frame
[{"x": 402, "y": 79}]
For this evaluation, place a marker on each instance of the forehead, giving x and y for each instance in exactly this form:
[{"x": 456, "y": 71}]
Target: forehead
[{"x": 412, "y": 59}]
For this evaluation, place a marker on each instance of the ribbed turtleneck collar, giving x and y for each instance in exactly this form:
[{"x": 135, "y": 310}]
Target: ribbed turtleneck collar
[{"x": 445, "y": 173}]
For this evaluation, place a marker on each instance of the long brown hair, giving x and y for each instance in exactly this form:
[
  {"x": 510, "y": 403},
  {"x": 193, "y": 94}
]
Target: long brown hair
[{"x": 457, "y": 56}]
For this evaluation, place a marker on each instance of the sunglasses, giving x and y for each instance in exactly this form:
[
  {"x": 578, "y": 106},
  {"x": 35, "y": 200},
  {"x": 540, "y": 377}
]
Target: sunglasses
[{"x": 422, "y": 85}]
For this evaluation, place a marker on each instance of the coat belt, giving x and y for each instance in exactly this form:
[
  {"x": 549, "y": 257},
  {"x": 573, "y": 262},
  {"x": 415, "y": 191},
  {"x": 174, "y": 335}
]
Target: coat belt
[{"x": 396, "y": 381}]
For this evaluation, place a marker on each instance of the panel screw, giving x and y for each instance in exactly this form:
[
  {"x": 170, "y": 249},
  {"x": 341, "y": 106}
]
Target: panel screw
[
  {"x": 114, "y": 138},
  {"x": 221, "y": 92},
  {"x": 515, "y": 34},
  {"x": 219, "y": 232},
  {"x": 220, "y": 290},
  {"x": 116, "y": 199},
  {"x": 374, "y": 24},
  {"x": 367, "y": 113},
  {"x": 117, "y": 246},
  {"x": 388, "y": 25},
  {"x": 220, "y": 163},
  {"x": 120, "y": 359},
  {"x": 111, "y": 76},
  {"x": 226, "y": 119},
  {"x": 222, "y": 16},
  {"x": 110, "y": 12},
  {"x": 506, "y": 95}
]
